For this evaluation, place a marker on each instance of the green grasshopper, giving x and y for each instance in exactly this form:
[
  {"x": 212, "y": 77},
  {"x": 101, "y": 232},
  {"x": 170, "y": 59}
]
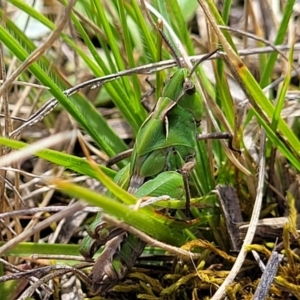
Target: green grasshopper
[
  {"x": 165, "y": 142},
  {"x": 160, "y": 146}
]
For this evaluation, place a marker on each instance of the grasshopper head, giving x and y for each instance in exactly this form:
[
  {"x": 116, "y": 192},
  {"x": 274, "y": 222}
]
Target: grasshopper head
[
  {"x": 181, "y": 89},
  {"x": 174, "y": 85}
]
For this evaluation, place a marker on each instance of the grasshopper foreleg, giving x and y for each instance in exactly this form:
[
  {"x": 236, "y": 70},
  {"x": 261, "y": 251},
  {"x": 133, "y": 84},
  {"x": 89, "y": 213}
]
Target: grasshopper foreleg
[{"x": 115, "y": 159}]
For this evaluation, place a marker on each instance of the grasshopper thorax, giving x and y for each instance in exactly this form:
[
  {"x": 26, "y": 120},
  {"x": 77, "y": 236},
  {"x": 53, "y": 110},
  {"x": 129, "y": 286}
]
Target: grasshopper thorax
[
  {"x": 181, "y": 89},
  {"x": 175, "y": 85}
]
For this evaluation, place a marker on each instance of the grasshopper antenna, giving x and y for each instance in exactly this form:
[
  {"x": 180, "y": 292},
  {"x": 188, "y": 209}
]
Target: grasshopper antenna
[
  {"x": 168, "y": 43},
  {"x": 205, "y": 57},
  {"x": 164, "y": 37}
]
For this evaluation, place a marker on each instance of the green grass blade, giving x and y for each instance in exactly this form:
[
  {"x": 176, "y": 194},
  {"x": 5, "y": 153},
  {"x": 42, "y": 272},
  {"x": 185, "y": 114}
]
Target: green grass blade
[
  {"x": 226, "y": 11},
  {"x": 281, "y": 33},
  {"x": 282, "y": 93},
  {"x": 129, "y": 48},
  {"x": 143, "y": 219},
  {"x": 149, "y": 43},
  {"x": 180, "y": 25},
  {"x": 27, "y": 249},
  {"x": 77, "y": 164},
  {"x": 127, "y": 102}
]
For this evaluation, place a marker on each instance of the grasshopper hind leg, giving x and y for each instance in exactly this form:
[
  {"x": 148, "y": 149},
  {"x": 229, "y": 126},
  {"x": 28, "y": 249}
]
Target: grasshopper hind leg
[
  {"x": 118, "y": 257},
  {"x": 104, "y": 275}
]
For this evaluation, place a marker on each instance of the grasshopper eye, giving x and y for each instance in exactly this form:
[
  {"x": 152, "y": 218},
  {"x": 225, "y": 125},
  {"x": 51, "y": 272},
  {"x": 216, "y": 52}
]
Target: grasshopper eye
[{"x": 189, "y": 87}]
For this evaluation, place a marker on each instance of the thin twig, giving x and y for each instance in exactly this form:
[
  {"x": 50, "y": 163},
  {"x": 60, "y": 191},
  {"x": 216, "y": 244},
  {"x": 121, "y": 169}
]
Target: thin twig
[
  {"x": 44, "y": 224},
  {"x": 34, "y": 210}
]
